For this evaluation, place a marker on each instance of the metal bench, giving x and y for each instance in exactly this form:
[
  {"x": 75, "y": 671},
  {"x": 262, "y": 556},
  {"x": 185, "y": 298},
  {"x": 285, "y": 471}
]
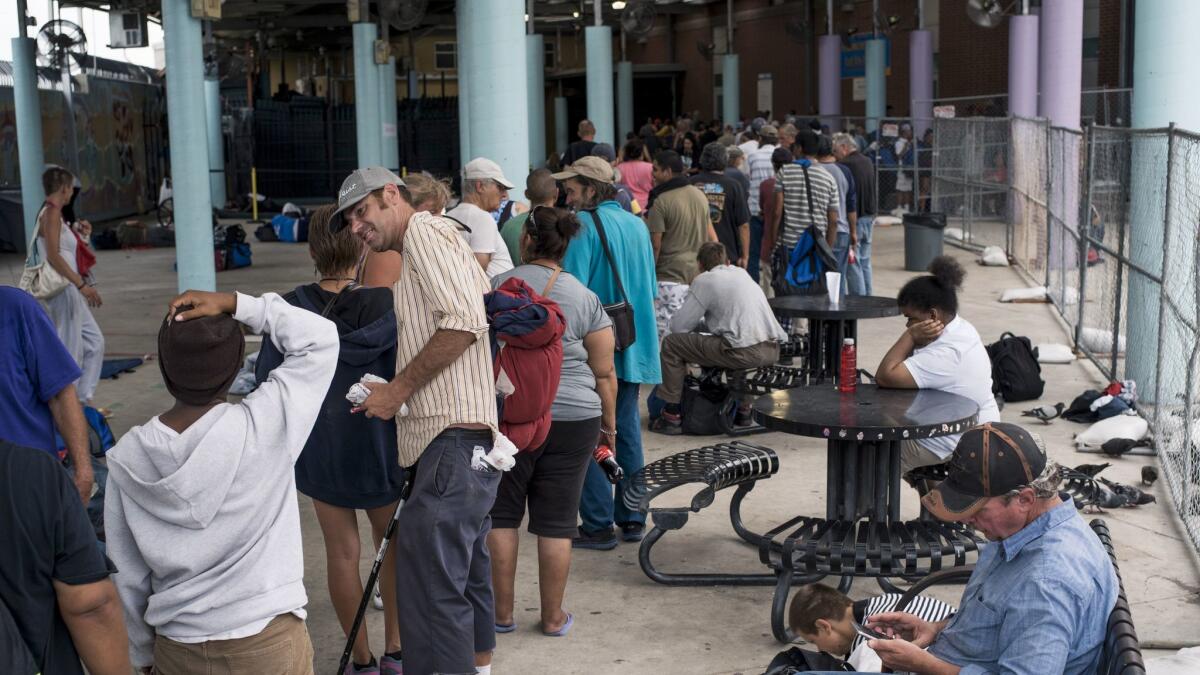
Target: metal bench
[
  {"x": 1121, "y": 653},
  {"x": 714, "y": 468},
  {"x": 805, "y": 550}
]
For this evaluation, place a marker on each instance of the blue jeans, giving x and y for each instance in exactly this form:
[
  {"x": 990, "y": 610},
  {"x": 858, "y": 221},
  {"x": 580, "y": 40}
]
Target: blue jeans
[
  {"x": 599, "y": 507},
  {"x": 860, "y": 280},
  {"x": 841, "y": 253},
  {"x": 756, "y": 235}
]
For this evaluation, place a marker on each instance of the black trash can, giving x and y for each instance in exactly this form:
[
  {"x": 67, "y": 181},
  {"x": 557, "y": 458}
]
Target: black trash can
[{"x": 923, "y": 234}]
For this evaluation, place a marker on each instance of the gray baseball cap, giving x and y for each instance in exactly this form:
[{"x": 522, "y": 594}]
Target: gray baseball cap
[{"x": 359, "y": 184}]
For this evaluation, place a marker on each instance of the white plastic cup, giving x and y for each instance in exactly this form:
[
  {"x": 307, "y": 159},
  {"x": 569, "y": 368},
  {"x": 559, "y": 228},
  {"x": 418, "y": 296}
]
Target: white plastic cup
[{"x": 833, "y": 282}]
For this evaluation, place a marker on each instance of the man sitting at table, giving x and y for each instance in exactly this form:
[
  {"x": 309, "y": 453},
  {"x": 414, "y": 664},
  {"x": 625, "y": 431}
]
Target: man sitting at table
[
  {"x": 939, "y": 350},
  {"x": 734, "y": 328},
  {"x": 1039, "y": 598}
]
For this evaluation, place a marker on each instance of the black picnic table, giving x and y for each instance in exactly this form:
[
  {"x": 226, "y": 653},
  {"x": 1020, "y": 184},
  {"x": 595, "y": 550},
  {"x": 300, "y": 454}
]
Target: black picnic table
[
  {"x": 861, "y": 533},
  {"x": 830, "y": 324}
]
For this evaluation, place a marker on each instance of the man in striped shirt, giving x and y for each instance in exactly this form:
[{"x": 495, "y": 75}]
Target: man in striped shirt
[
  {"x": 445, "y": 379},
  {"x": 809, "y": 195}
]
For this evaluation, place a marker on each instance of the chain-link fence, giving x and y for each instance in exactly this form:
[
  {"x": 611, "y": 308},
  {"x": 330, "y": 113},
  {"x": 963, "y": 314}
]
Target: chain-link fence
[
  {"x": 1108, "y": 219},
  {"x": 970, "y": 179}
]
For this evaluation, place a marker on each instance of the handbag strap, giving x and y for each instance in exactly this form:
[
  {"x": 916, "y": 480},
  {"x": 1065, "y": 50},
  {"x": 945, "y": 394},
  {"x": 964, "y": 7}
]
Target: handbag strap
[
  {"x": 37, "y": 228},
  {"x": 808, "y": 193},
  {"x": 550, "y": 284},
  {"x": 608, "y": 254}
]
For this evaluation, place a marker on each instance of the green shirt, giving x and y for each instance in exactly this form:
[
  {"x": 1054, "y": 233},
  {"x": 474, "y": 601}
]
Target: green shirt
[
  {"x": 681, "y": 215},
  {"x": 511, "y": 234}
]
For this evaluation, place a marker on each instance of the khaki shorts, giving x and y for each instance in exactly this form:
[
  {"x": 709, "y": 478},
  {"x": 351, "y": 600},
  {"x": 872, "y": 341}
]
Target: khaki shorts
[
  {"x": 282, "y": 648},
  {"x": 913, "y": 455}
]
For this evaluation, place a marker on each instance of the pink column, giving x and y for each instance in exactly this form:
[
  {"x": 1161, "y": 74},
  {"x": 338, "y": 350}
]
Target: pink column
[
  {"x": 1023, "y": 66},
  {"x": 920, "y": 80},
  {"x": 1060, "y": 64},
  {"x": 829, "y": 80}
]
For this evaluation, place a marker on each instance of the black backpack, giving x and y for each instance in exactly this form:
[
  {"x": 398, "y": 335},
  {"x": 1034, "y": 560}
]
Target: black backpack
[
  {"x": 1016, "y": 373},
  {"x": 707, "y": 405},
  {"x": 796, "y": 660}
]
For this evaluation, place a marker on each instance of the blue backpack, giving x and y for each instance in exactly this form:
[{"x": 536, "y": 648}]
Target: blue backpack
[
  {"x": 808, "y": 262},
  {"x": 100, "y": 435}
]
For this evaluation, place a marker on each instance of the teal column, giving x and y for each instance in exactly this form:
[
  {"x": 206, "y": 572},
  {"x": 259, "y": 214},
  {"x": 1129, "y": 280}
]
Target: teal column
[
  {"x": 414, "y": 85},
  {"x": 624, "y": 102},
  {"x": 499, "y": 88},
  {"x": 535, "y": 63},
  {"x": 29, "y": 129},
  {"x": 390, "y": 149},
  {"x": 216, "y": 142},
  {"x": 562, "y": 137},
  {"x": 188, "y": 131},
  {"x": 1164, "y": 46},
  {"x": 463, "y": 50},
  {"x": 876, "y": 57},
  {"x": 730, "y": 89},
  {"x": 368, "y": 128},
  {"x": 598, "y": 41}
]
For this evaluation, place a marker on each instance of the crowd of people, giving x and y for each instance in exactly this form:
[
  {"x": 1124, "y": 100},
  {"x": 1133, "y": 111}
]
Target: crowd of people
[{"x": 625, "y": 269}]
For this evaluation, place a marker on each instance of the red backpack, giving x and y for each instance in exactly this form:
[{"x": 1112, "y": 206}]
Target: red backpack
[{"x": 526, "y": 333}]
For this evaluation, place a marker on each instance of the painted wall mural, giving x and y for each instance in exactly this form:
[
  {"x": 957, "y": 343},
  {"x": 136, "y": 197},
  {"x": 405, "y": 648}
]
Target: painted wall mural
[{"x": 112, "y": 119}]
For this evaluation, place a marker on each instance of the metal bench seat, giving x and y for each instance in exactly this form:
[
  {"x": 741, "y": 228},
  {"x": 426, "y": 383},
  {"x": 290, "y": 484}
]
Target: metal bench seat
[{"x": 714, "y": 468}]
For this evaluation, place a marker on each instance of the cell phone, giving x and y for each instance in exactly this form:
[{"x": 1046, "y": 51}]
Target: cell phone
[{"x": 869, "y": 633}]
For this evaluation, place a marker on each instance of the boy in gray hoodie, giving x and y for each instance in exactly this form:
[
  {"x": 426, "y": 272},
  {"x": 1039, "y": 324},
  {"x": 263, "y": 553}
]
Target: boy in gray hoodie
[{"x": 201, "y": 513}]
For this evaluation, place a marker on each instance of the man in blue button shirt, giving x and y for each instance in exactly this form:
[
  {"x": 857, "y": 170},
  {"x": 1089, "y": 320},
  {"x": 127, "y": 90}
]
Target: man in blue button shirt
[{"x": 1039, "y": 599}]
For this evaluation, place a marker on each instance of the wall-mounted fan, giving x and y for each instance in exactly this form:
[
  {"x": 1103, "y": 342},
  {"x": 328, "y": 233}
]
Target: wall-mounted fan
[
  {"x": 57, "y": 40},
  {"x": 403, "y": 15},
  {"x": 637, "y": 19},
  {"x": 986, "y": 13}
]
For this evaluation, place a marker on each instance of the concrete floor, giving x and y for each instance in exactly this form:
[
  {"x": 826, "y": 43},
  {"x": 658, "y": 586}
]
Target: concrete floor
[{"x": 624, "y": 622}]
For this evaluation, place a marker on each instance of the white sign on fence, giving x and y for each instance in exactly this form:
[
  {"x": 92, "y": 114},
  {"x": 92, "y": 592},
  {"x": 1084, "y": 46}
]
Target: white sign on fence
[
  {"x": 946, "y": 111},
  {"x": 890, "y": 130},
  {"x": 860, "y": 89},
  {"x": 766, "y": 94}
]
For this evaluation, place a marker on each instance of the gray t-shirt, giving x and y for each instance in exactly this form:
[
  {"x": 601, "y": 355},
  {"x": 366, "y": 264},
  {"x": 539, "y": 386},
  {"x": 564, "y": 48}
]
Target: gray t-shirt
[
  {"x": 577, "y": 398},
  {"x": 730, "y": 305}
]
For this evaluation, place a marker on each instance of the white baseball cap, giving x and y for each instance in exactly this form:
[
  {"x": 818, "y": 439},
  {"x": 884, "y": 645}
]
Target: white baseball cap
[{"x": 482, "y": 168}]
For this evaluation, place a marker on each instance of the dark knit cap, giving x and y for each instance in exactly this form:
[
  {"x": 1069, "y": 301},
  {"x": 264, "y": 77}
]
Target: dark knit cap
[{"x": 199, "y": 358}]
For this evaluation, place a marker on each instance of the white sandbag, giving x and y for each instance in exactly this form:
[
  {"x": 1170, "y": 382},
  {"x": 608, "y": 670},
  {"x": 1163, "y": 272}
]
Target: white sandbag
[
  {"x": 1035, "y": 294},
  {"x": 993, "y": 256},
  {"x": 1054, "y": 352},
  {"x": 1186, "y": 661},
  {"x": 887, "y": 221},
  {"x": 1099, "y": 341},
  {"x": 953, "y": 233},
  {"x": 1120, "y": 426}
]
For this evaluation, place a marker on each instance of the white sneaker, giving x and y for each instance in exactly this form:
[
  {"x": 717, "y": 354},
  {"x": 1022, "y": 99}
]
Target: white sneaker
[{"x": 377, "y": 601}]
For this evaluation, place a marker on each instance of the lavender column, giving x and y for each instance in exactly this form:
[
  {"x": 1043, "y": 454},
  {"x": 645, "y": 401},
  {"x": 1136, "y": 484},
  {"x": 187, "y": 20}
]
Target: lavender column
[
  {"x": 920, "y": 79},
  {"x": 1023, "y": 66},
  {"x": 1060, "y": 65},
  {"x": 829, "y": 80}
]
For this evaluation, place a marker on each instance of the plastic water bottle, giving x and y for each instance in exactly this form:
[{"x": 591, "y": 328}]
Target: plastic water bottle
[
  {"x": 848, "y": 370},
  {"x": 607, "y": 460}
]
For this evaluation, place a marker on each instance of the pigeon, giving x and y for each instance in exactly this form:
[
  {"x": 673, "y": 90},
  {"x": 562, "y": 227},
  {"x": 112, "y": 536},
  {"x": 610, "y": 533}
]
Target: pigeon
[
  {"x": 1088, "y": 493},
  {"x": 1132, "y": 495},
  {"x": 1045, "y": 413},
  {"x": 1149, "y": 475},
  {"x": 1092, "y": 470},
  {"x": 1115, "y": 447}
]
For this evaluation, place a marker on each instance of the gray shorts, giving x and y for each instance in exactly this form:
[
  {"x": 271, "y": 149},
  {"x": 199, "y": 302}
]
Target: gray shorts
[{"x": 443, "y": 572}]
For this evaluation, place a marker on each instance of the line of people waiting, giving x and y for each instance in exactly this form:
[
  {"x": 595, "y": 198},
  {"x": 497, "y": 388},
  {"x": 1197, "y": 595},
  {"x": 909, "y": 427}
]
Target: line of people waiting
[{"x": 202, "y": 515}]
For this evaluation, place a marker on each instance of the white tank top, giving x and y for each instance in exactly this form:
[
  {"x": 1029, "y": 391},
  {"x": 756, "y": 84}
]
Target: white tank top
[{"x": 66, "y": 243}]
